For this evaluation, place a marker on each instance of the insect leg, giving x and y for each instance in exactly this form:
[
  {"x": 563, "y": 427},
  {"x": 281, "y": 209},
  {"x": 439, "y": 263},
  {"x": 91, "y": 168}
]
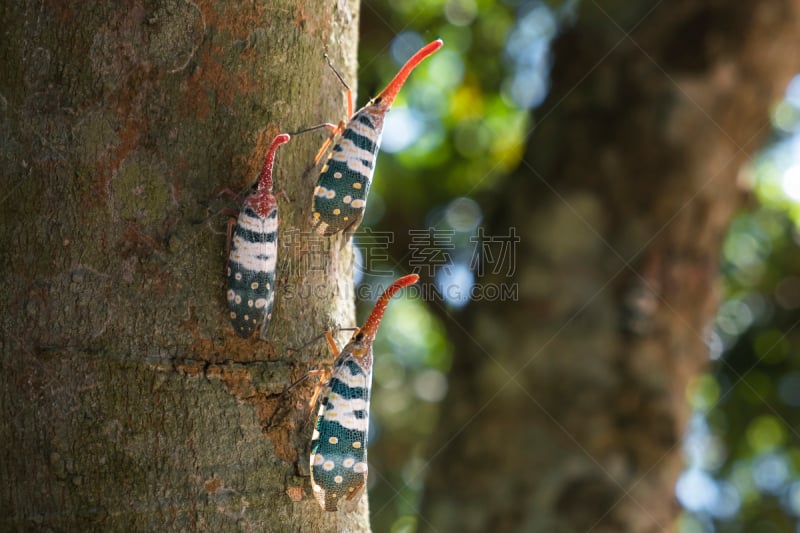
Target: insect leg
[
  {"x": 229, "y": 236},
  {"x": 332, "y": 343},
  {"x": 325, "y": 376},
  {"x": 335, "y": 130}
]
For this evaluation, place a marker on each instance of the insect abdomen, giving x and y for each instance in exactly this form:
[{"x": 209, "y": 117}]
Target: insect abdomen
[
  {"x": 251, "y": 271},
  {"x": 339, "y": 443}
]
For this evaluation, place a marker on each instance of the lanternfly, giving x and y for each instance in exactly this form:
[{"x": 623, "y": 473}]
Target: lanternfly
[
  {"x": 253, "y": 253},
  {"x": 339, "y": 444},
  {"x": 340, "y": 196}
]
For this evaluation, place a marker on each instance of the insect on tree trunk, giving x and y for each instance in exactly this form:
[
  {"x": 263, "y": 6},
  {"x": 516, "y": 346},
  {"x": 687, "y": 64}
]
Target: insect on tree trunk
[{"x": 128, "y": 403}]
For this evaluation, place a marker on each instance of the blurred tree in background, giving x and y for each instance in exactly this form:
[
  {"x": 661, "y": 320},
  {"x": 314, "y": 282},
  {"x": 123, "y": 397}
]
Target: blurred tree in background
[
  {"x": 601, "y": 191},
  {"x": 743, "y": 448}
]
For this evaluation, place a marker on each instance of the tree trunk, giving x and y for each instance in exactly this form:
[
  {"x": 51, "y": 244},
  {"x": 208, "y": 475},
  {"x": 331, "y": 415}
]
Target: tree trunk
[
  {"x": 567, "y": 407},
  {"x": 127, "y": 401}
]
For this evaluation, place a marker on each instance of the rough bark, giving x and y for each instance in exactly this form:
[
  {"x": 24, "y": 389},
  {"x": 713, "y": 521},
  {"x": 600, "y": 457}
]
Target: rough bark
[
  {"x": 127, "y": 401},
  {"x": 567, "y": 407}
]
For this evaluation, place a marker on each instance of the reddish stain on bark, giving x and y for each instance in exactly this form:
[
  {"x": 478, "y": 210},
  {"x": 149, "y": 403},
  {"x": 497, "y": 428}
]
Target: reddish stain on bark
[
  {"x": 227, "y": 362},
  {"x": 181, "y": 167},
  {"x": 134, "y": 242},
  {"x": 212, "y": 485},
  {"x": 295, "y": 494},
  {"x": 313, "y": 22},
  {"x": 237, "y": 381},
  {"x": 201, "y": 348},
  {"x": 281, "y": 440},
  {"x": 61, "y": 10},
  {"x": 300, "y": 17},
  {"x": 232, "y": 348},
  {"x": 239, "y": 22},
  {"x": 215, "y": 85},
  {"x": 192, "y": 369},
  {"x": 128, "y": 136},
  {"x": 196, "y": 102}
]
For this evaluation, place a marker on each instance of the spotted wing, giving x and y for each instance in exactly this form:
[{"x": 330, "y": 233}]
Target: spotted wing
[
  {"x": 339, "y": 443},
  {"x": 251, "y": 271},
  {"x": 340, "y": 196}
]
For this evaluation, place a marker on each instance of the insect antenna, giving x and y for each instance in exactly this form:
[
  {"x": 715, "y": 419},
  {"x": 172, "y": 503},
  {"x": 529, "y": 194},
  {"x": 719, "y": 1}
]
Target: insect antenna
[{"x": 350, "y": 106}]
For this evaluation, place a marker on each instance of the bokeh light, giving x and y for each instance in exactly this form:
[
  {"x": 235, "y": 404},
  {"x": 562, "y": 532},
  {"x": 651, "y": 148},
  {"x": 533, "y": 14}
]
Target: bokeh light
[{"x": 791, "y": 183}]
